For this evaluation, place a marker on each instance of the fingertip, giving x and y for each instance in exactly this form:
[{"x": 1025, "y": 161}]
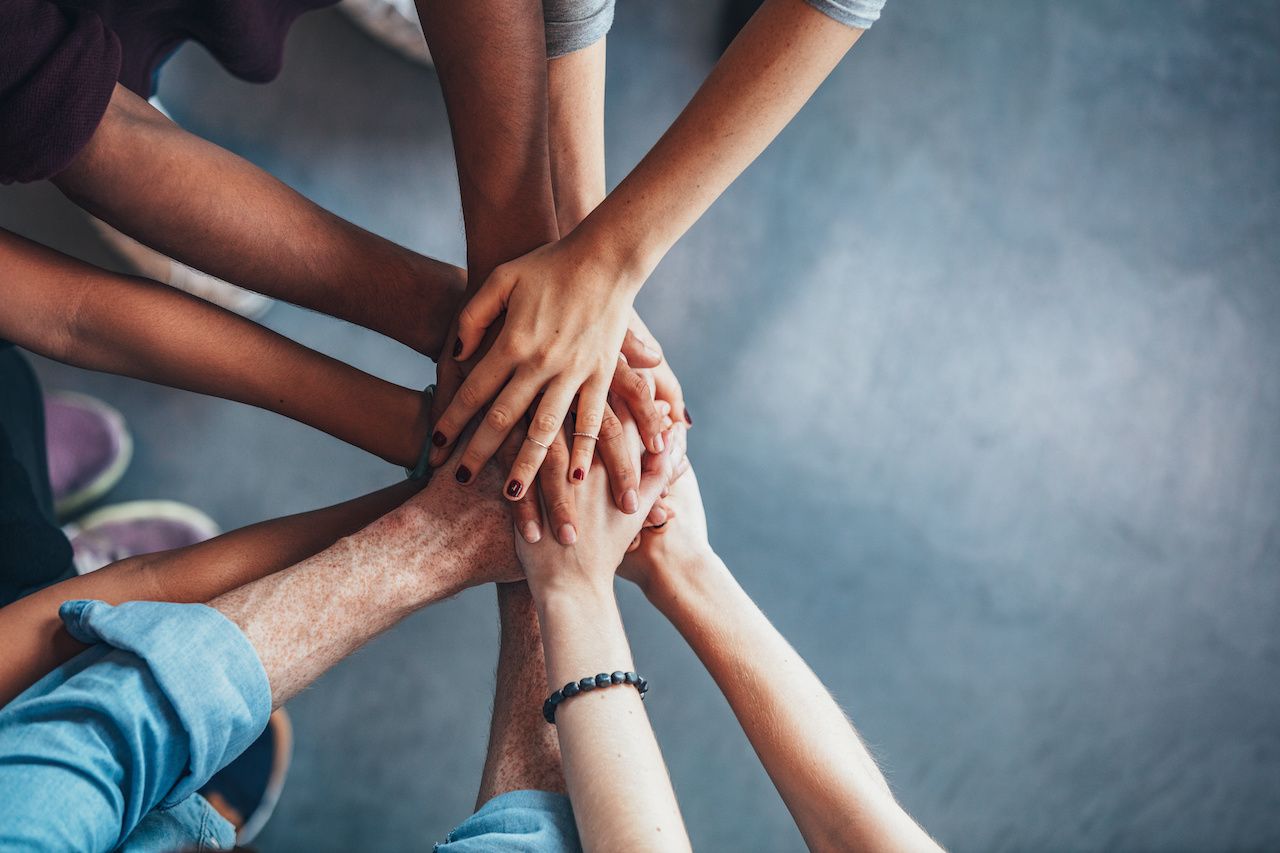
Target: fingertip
[
  {"x": 630, "y": 501},
  {"x": 531, "y": 531}
]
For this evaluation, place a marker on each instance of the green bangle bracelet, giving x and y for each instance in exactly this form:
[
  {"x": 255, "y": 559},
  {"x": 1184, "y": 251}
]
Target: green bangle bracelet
[{"x": 423, "y": 470}]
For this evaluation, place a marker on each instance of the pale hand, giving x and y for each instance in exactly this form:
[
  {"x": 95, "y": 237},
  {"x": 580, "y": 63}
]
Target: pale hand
[{"x": 565, "y": 316}]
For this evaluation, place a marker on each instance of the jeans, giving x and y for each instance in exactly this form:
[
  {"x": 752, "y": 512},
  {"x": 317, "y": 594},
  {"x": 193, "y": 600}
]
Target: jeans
[
  {"x": 108, "y": 750},
  {"x": 517, "y": 822}
]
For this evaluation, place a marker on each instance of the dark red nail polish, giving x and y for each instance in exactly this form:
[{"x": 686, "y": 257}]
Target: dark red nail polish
[
  {"x": 457, "y": 347},
  {"x": 688, "y": 418},
  {"x": 463, "y": 474},
  {"x": 438, "y": 439},
  {"x": 579, "y": 474},
  {"x": 513, "y": 488}
]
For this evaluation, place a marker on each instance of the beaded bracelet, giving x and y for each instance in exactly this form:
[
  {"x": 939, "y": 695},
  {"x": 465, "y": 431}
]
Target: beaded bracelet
[
  {"x": 423, "y": 469},
  {"x": 604, "y": 679}
]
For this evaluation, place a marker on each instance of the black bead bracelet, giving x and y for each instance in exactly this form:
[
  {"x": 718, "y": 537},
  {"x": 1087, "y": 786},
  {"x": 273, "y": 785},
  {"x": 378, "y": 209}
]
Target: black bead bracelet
[{"x": 604, "y": 679}]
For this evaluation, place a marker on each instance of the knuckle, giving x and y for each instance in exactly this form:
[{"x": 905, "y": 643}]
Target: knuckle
[
  {"x": 589, "y": 420},
  {"x": 515, "y": 349},
  {"x": 470, "y": 396},
  {"x": 610, "y": 429},
  {"x": 499, "y": 418},
  {"x": 636, "y": 386},
  {"x": 545, "y": 423}
]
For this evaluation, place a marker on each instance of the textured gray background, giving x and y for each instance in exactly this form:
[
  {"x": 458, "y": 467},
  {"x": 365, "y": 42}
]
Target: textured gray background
[{"x": 984, "y": 359}]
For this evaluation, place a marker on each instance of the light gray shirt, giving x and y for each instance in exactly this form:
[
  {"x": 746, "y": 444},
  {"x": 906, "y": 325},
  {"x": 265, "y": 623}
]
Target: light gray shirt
[{"x": 575, "y": 24}]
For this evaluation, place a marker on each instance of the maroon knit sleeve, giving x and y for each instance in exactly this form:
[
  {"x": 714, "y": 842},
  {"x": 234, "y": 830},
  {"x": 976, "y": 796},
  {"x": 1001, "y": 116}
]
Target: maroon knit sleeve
[{"x": 57, "y": 71}]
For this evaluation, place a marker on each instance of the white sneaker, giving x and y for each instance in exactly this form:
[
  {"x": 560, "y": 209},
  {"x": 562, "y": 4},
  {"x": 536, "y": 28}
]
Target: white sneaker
[{"x": 392, "y": 22}]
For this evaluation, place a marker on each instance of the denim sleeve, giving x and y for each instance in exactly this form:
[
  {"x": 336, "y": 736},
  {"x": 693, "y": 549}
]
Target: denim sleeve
[
  {"x": 854, "y": 13},
  {"x": 168, "y": 695},
  {"x": 574, "y": 24}
]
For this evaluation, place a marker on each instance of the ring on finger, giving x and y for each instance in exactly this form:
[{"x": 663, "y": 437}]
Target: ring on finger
[
  {"x": 539, "y": 443},
  {"x": 589, "y": 435}
]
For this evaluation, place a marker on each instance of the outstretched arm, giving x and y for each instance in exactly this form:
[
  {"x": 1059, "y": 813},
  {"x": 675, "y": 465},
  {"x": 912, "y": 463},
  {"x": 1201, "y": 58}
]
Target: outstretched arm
[
  {"x": 613, "y": 768},
  {"x": 491, "y": 58},
  {"x": 184, "y": 676},
  {"x": 78, "y": 314},
  {"x": 33, "y": 635},
  {"x": 208, "y": 208},
  {"x": 830, "y": 783},
  {"x": 565, "y": 307}
]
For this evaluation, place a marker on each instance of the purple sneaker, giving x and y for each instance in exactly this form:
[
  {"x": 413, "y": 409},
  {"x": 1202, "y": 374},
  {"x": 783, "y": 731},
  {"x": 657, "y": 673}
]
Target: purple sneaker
[
  {"x": 125, "y": 530},
  {"x": 88, "y": 448}
]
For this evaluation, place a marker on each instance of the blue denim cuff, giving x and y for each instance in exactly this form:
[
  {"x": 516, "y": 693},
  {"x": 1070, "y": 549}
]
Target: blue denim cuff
[
  {"x": 205, "y": 666},
  {"x": 854, "y": 13},
  {"x": 528, "y": 821}
]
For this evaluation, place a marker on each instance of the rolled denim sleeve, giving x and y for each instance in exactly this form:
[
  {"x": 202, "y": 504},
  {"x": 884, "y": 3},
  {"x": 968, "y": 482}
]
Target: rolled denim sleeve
[
  {"x": 854, "y": 13},
  {"x": 167, "y": 696},
  {"x": 574, "y": 24}
]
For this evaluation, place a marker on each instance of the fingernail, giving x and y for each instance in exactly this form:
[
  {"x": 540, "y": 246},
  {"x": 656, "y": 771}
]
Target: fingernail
[
  {"x": 463, "y": 474},
  {"x": 457, "y": 347},
  {"x": 630, "y": 501},
  {"x": 688, "y": 418},
  {"x": 532, "y": 532},
  {"x": 567, "y": 534},
  {"x": 658, "y": 443},
  {"x": 579, "y": 474},
  {"x": 513, "y": 488},
  {"x": 658, "y": 515},
  {"x": 438, "y": 439}
]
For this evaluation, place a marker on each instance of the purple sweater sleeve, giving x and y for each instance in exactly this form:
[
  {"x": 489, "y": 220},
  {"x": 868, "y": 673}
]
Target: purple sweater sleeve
[{"x": 58, "y": 68}]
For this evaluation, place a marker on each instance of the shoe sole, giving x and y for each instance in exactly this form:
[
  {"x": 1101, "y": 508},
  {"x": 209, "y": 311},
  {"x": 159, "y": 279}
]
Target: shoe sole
[
  {"x": 131, "y": 510},
  {"x": 110, "y": 476}
]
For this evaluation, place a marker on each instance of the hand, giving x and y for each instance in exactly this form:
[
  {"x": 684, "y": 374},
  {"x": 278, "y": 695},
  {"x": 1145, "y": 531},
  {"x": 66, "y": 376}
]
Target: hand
[
  {"x": 662, "y": 560},
  {"x": 665, "y": 384},
  {"x": 565, "y": 320},
  {"x": 480, "y": 516},
  {"x": 603, "y": 533},
  {"x": 631, "y": 390}
]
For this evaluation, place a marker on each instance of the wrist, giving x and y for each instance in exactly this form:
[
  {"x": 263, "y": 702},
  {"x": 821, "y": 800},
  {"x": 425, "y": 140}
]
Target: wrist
[
  {"x": 629, "y": 260},
  {"x": 564, "y": 591},
  {"x": 421, "y": 543},
  {"x": 689, "y": 582}
]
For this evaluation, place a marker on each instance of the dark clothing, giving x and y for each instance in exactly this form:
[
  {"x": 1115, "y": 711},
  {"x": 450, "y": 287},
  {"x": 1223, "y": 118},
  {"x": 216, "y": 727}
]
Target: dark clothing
[
  {"x": 59, "y": 63},
  {"x": 33, "y": 551}
]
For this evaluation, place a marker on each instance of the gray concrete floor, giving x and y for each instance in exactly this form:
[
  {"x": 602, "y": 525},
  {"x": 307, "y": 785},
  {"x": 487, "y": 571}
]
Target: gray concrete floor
[{"x": 984, "y": 359}]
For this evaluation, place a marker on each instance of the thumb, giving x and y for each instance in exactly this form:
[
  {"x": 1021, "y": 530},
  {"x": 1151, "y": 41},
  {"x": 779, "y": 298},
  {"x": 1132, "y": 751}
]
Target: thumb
[
  {"x": 640, "y": 352},
  {"x": 657, "y": 468},
  {"x": 481, "y": 310}
]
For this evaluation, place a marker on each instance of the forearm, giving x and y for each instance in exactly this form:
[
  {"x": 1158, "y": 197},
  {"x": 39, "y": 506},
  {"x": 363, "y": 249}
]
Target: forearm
[
  {"x": 829, "y": 781},
  {"x": 576, "y": 83},
  {"x": 36, "y": 642},
  {"x": 210, "y": 209},
  {"x": 305, "y": 619},
  {"x": 491, "y": 60},
  {"x": 772, "y": 68},
  {"x": 81, "y": 315},
  {"x": 613, "y": 768}
]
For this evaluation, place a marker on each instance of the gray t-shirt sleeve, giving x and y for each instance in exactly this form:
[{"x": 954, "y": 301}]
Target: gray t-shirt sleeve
[
  {"x": 854, "y": 13},
  {"x": 575, "y": 24}
]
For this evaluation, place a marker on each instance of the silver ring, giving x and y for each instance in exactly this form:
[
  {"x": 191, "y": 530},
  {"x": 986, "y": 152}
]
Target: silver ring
[
  {"x": 539, "y": 443},
  {"x": 589, "y": 435}
]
